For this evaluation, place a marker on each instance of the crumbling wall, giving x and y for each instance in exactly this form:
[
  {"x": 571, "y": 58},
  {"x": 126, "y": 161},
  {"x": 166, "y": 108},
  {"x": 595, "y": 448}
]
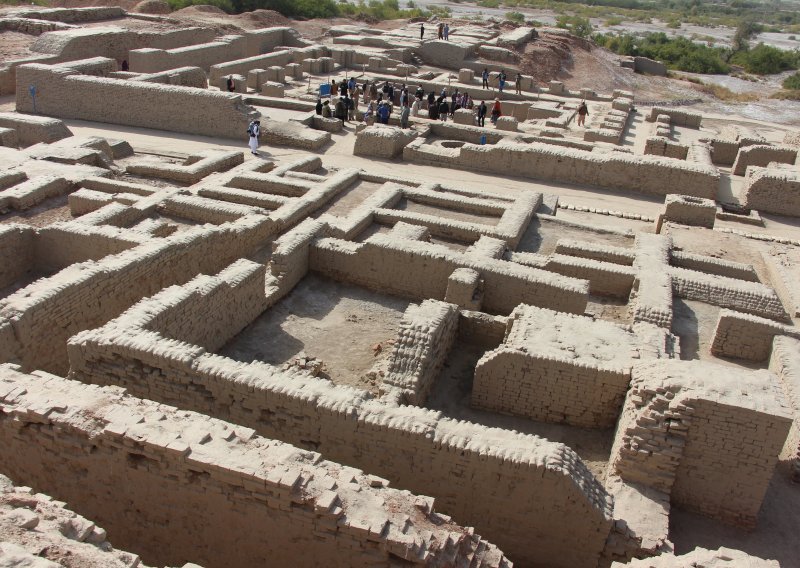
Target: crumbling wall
[
  {"x": 745, "y": 336},
  {"x": 234, "y": 296},
  {"x": 762, "y": 155},
  {"x": 33, "y": 129},
  {"x": 749, "y": 297},
  {"x": 150, "y": 466},
  {"x": 773, "y": 190},
  {"x": 683, "y": 419},
  {"x": 16, "y": 252},
  {"x": 60, "y": 245},
  {"x": 785, "y": 363},
  {"x": 63, "y": 93},
  {"x": 529, "y": 510},
  {"x": 563, "y": 368},
  {"x": 38, "y": 531},
  {"x": 427, "y": 332}
]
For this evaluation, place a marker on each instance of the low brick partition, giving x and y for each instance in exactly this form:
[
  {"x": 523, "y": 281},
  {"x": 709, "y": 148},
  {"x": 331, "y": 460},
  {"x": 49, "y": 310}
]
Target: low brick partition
[
  {"x": 688, "y": 210},
  {"x": 676, "y": 116},
  {"x": 773, "y": 190},
  {"x": 422, "y": 270},
  {"x": 762, "y": 155},
  {"x": 150, "y": 465},
  {"x": 382, "y": 141},
  {"x": 562, "y": 368}
]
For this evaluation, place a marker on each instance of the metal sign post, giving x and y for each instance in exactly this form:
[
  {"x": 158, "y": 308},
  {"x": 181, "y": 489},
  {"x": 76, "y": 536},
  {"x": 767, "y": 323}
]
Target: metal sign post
[{"x": 32, "y": 91}]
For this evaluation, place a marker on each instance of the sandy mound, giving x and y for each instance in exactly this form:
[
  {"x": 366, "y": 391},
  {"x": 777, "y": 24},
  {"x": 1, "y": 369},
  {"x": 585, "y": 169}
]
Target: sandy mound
[
  {"x": 201, "y": 9},
  {"x": 152, "y": 7},
  {"x": 266, "y": 18}
]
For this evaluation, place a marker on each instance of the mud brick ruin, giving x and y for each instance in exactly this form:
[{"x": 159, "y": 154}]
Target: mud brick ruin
[{"x": 529, "y": 344}]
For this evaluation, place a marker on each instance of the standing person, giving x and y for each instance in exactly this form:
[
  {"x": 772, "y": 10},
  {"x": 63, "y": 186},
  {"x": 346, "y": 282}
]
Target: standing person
[
  {"x": 421, "y": 31},
  {"x": 485, "y": 77},
  {"x": 230, "y": 84},
  {"x": 384, "y": 111},
  {"x": 254, "y": 131},
  {"x": 365, "y": 90},
  {"x": 583, "y": 112},
  {"x": 318, "y": 108},
  {"x": 415, "y": 107},
  {"x": 447, "y": 32},
  {"x": 431, "y": 100},
  {"x": 404, "y": 112},
  {"x": 496, "y": 111},
  {"x": 390, "y": 93},
  {"x": 444, "y": 110},
  {"x": 501, "y": 80},
  {"x": 403, "y": 97},
  {"x": 440, "y": 30},
  {"x": 333, "y": 87},
  {"x": 343, "y": 89},
  {"x": 519, "y": 83},
  {"x": 433, "y": 109},
  {"x": 369, "y": 112},
  {"x": 350, "y": 108},
  {"x": 482, "y": 114},
  {"x": 341, "y": 111},
  {"x": 351, "y": 84},
  {"x": 373, "y": 91}
]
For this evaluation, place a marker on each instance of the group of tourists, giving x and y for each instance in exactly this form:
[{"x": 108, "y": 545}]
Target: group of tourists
[
  {"x": 380, "y": 101},
  {"x": 502, "y": 80},
  {"x": 442, "y": 31}
]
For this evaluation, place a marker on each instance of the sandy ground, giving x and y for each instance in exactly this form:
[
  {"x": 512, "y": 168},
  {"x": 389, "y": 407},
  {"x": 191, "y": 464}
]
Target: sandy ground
[
  {"x": 51, "y": 211},
  {"x": 336, "y": 323},
  {"x": 775, "y": 536}
]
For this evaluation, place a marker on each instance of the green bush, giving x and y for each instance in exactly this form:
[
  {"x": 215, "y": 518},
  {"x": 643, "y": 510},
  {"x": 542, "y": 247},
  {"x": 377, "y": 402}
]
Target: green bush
[
  {"x": 577, "y": 25},
  {"x": 677, "y": 53},
  {"x": 516, "y": 17},
  {"x": 766, "y": 60},
  {"x": 792, "y": 82},
  {"x": 489, "y": 3}
]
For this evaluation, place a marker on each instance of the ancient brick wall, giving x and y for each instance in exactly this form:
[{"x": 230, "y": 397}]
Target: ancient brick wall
[
  {"x": 16, "y": 252},
  {"x": 682, "y": 421},
  {"x": 203, "y": 55},
  {"x": 773, "y": 190},
  {"x": 421, "y": 270},
  {"x": 525, "y": 512},
  {"x": 427, "y": 332},
  {"x": 63, "y": 93},
  {"x": 762, "y": 155},
  {"x": 229, "y": 498}
]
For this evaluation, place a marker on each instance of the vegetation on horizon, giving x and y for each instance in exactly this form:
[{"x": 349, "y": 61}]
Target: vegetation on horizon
[
  {"x": 308, "y": 9},
  {"x": 775, "y": 15}
]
